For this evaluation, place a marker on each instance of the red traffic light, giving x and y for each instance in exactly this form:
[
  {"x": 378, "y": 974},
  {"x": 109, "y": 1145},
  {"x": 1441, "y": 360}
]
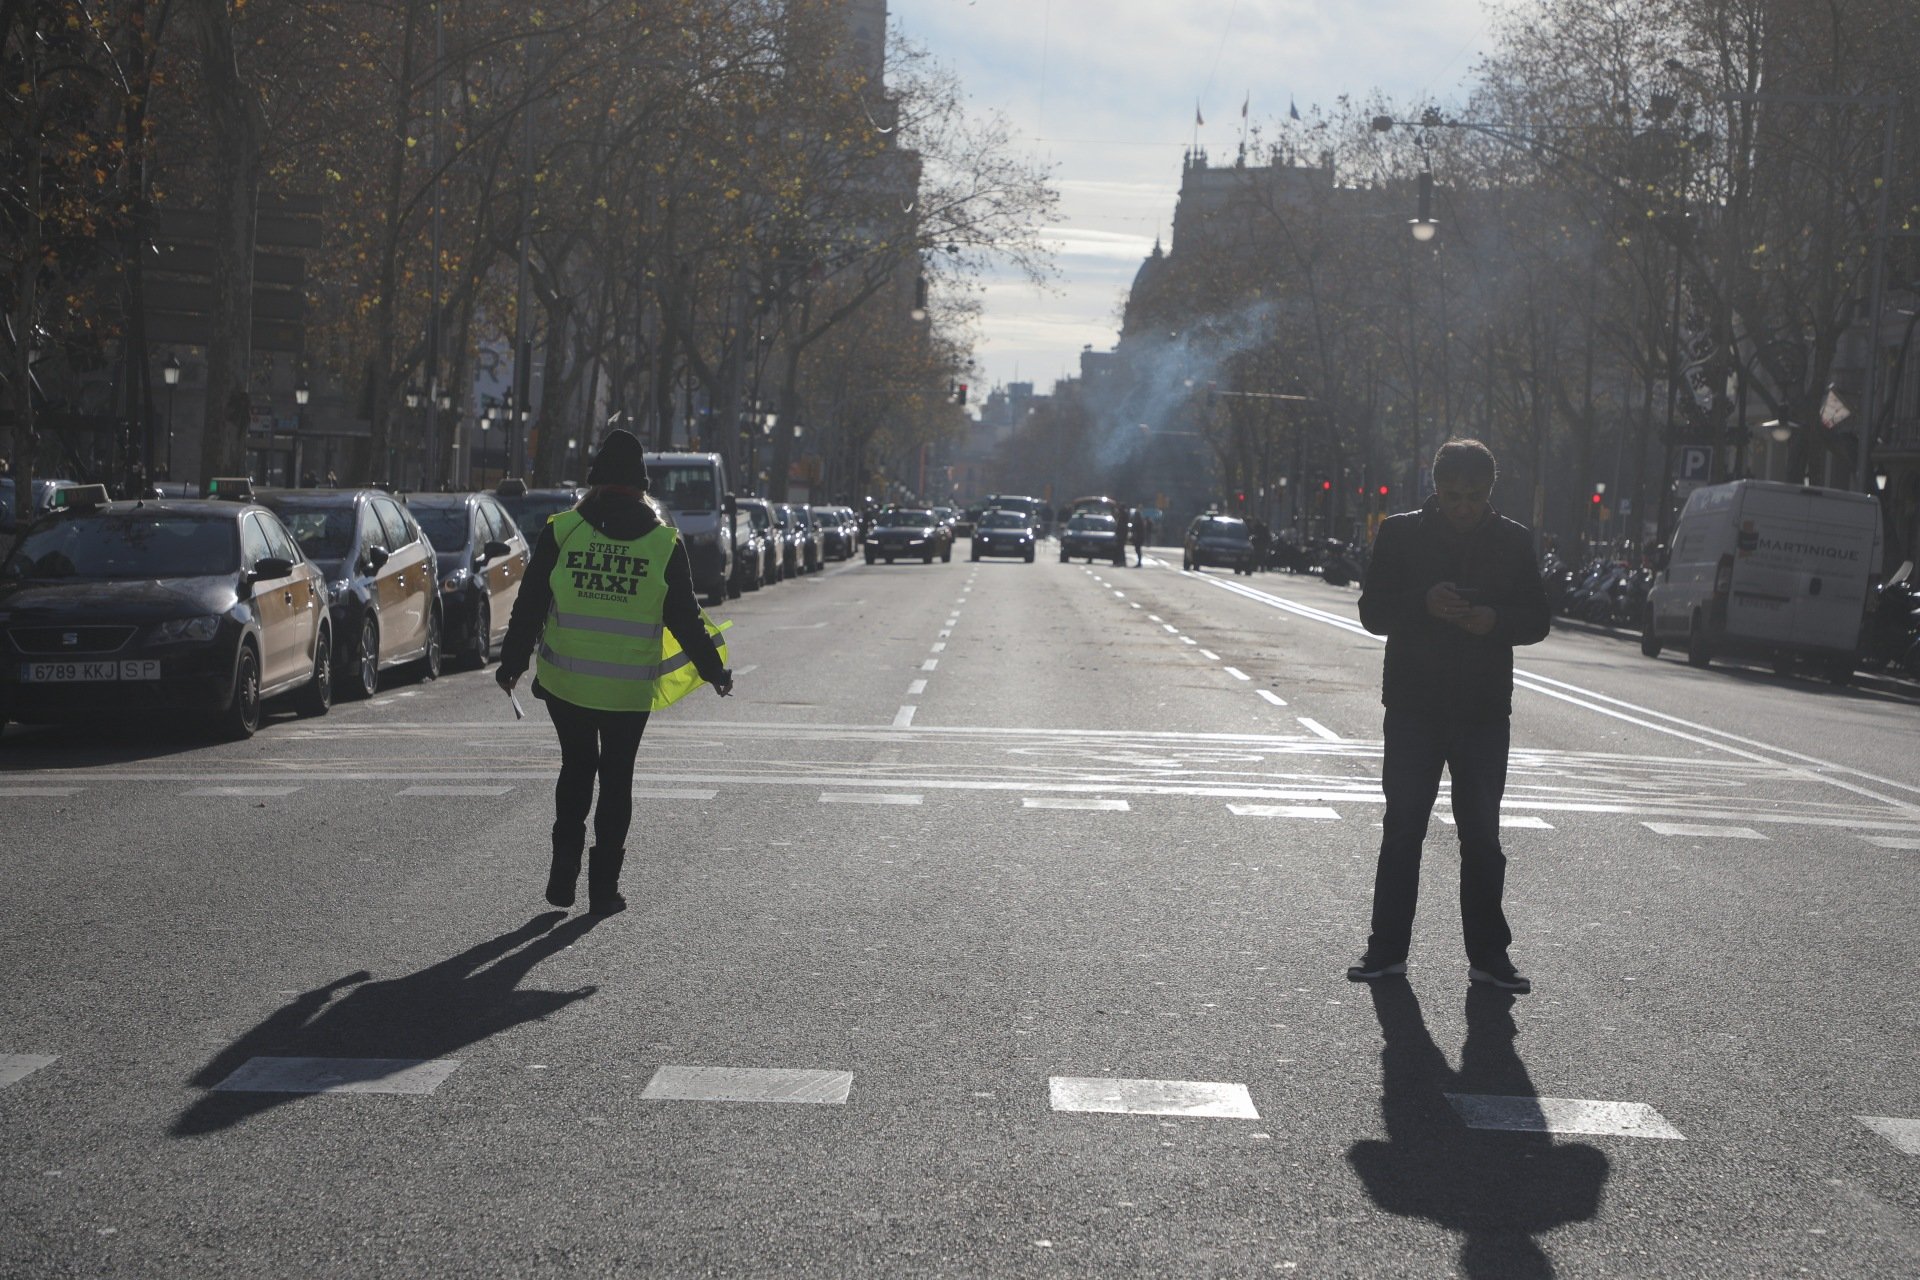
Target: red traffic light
[
  {"x": 1595, "y": 499},
  {"x": 1383, "y": 490},
  {"x": 1326, "y": 486}
]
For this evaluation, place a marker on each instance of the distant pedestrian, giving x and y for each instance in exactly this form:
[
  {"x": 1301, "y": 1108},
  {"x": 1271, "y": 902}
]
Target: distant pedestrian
[
  {"x": 607, "y": 595},
  {"x": 1141, "y": 527},
  {"x": 1454, "y": 587}
]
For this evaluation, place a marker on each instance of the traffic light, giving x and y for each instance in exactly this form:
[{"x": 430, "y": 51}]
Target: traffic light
[
  {"x": 1241, "y": 497},
  {"x": 1326, "y": 486},
  {"x": 1593, "y": 505},
  {"x": 961, "y": 398},
  {"x": 1385, "y": 490}
]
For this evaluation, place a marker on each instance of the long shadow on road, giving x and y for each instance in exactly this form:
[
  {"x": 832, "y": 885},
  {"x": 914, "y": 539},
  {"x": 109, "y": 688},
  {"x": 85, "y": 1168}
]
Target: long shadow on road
[
  {"x": 430, "y": 1014},
  {"x": 1500, "y": 1190}
]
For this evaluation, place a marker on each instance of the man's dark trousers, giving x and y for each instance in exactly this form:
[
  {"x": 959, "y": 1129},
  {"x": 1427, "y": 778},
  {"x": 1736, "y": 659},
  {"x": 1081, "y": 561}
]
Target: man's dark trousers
[{"x": 1474, "y": 754}]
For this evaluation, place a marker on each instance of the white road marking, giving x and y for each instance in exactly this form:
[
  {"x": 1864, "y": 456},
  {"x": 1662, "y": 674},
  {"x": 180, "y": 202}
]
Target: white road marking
[
  {"x": 1515, "y": 822},
  {"x": 747, "y": 1084},
  {"x": 1885, "y": 842},
  {"x": 456, "y": 791},
  {"x": 1284, "y": 811},
  {"x": 1154, "y": 617},
  {"x": 1188, "y": 640},
  {"x": 903, "y": 718},
  {"x": 24, "y": 792},
  {"x": 930, "y": 664},
  {"x": 862, "y": 797},
  {"x": 1317, "y": 729},
  {"x": 1171, "y": 628},
  {"x": 939, "y": 646},
  {"x": 1074, "y": 802},
  {"x": 243, "y": 791},
  {"x": 1210, "y": 655},
  {"x": 1206, "y": 1098},
  {"x": 1132, "y": 605},
  {"x": 747, "y": 670},
  {"x": 674, "y": 793},
  {"x": 1903, "y": 1134},
  {"x": 15, "y": 1067},
  {"x": 338, "y": 1075},
  {"x": 1703, "y": 830},
  {"x": 1238, "y": 674},
  {"x": 945, "y": 631},
  {"x": 1562, "y": 1115},
  {"x": 1121, "y": 594},
  {"x": 916, "y": 688},
  {"x": 1272, "y": 697}
]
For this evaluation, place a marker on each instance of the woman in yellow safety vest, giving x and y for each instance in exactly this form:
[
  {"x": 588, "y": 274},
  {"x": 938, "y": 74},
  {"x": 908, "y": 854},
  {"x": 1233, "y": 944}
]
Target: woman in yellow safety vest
[{"x": 608, "y": 602}]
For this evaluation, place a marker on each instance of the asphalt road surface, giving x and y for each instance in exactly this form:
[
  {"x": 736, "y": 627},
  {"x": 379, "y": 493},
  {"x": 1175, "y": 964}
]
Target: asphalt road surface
[{"x": 996, "y": 926}]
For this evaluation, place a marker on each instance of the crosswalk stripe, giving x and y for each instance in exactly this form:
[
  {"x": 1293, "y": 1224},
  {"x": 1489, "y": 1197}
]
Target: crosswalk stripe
[
  {"x": 867, "y": 797},
  {"x": 1702, "y": 830},
  {"x": 243, "y": 791},
  {"x": 675, "y": 1083},
  {"x": 456, "y": 791},
  {"x": 22, "y": 793},
  {"x": 1562, "y": 1115},
  {"x": 1514, "y": 822},
  {"x": 1284, "y": 811},
  {"x": 1903, "y": 1134},
  {"x": 675, "y": 793},
  {"x": 15, "y": 1067},
  {"x": 339, "y": 1075},
  {"x": 1071, "y": 802},
  {"x": 1894, "y": 842},
  {"x": 1207, "y": 1098}
]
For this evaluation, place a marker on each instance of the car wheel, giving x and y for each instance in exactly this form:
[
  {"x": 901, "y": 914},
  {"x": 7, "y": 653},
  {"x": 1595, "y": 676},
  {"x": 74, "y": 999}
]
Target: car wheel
[
  {"x": 889, "y": 559},
  {"x": 975, "y": 556},
  {"x": 946, "y": 556},
  {"x": 242, "y": 717},
  {"x": 482, "y": 651},
  {"x": 364, "y": 670},
  {"x": 1029, "y": 555},
  {"x": 1840, "y": 672},
  {"x": 1649, "y": 638},
  {"x": 317, "y": 698},
  {"x": 430, "y": 660},
  {"x": 1699, "y": 650},
  {"x": 1065, "y": 558}
]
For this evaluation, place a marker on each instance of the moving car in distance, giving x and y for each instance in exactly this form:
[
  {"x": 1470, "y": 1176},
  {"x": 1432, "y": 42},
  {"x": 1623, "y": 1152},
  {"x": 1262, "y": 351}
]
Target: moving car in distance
[
  {"x": 1094, "y": 536},
  {"x": 167, "y": 605},
  {"x": 1222, "y": 541},
  {"x": 483, "y": 559},
  {"x": 899, "y": 532},
  {"x": 1004, "y": 533}
]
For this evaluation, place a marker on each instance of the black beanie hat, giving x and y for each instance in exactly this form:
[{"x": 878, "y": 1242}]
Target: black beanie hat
[{"x": 620, "y": 460}]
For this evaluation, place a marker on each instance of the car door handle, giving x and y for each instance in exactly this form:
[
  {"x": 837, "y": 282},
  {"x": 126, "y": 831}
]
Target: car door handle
[{"x": 289, "y": 595}]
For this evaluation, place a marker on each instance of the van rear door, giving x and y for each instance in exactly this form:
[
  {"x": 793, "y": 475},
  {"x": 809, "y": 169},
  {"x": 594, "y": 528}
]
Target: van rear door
[
  {"x": 1761, "y": 605},
  {"x": 1835, "y": 569}
]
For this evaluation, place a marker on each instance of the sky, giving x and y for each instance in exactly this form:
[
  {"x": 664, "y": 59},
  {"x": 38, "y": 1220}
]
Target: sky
[{"x": 1105, "y": 91}]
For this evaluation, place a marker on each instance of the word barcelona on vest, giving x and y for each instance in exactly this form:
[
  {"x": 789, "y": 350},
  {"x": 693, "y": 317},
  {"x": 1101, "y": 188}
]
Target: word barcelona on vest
[{"x": 606, "y": 571}]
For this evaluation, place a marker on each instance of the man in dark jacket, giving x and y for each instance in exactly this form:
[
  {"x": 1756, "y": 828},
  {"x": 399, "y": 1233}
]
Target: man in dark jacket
[
  {"x": 1454, "y": 587},
  {"x": 600, "y": 724}
]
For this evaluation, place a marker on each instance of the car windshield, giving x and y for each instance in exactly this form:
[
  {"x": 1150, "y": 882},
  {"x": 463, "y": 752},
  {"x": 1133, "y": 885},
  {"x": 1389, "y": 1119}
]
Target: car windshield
[
  {"x": 761, "y": 520},
  {"x": 1004, "y": 520},
  {"x": 1222, "y": 529},
  {"x": 323, "y": 532},
  {"x": 683, "y": 488},
  {"x": 530, "y": 511},
  {"x": 140, "y": 544},
  {"x": 905, "y": 519},
  {"x": 1090, "y": 524},
  {"x": 445, "y": 527}
]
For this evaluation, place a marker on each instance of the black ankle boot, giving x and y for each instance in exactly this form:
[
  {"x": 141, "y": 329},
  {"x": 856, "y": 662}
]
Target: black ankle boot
[
  {"x": 603, "y": 881},
  {"x": 561, "y": 877}
]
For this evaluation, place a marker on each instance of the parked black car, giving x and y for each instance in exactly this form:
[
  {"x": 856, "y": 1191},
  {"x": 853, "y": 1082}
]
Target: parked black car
[
  {"x": 383, "y": 584},
  {"x": 749, "y": 553},
  {"x": 482, "y": 559},
  {"x": 531, "y": 508},
  {"x": 773, "y": 542},
  {"x": 186, "y": 605}
]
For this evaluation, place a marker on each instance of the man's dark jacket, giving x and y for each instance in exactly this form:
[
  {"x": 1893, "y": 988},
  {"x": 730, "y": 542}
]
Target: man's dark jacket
[
  {"x": 1434, "y": 667},
  {"x": 623, "y": 519}
]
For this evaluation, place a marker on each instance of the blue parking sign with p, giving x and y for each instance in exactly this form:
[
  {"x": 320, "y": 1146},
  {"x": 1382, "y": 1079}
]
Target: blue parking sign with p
[{"x": 1696, "y": 463}]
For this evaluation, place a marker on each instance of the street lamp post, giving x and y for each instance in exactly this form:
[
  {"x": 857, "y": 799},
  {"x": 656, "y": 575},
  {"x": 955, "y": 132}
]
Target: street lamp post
[
  {"x": 170, "y": 374},
  {"x": 301, "y": 394}
]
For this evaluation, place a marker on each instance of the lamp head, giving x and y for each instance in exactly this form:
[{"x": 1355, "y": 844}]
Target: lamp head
[
  {"x": 302, "y": 393},
  {"x": 170, "y": 371}
]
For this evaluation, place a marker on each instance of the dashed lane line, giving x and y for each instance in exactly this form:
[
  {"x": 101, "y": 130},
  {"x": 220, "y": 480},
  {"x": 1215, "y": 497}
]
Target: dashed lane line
[
  {"x": 1315, "y": 812},
  {"x": 930, "y": 664},
  {"x": 15, "y": 1067},
  {"x": 917, "y": 688},
  {"x": 1702, "y": 831},
  {"x": 1317, "y": 729},
  {"x": 23, "y": 793},
  {"x": 903, "y": 718},
  {"x": 456, "y": 791},
  {"x": 1272, "y": 697},
  {"x": 1514, "y": 822},
  {"x": 1210, "y": 655},
  {"x": 864, "y": 797},
  {"x": 677, "y": 1083},
  {"x": 1894, "y": 842},
  {"x": 243, "y": 791},
  {"x": 1075, "y": 802},
  {"x": 339, "y": 1075},
  {"x": 1562, "y": 1115},
  {"x": 1238, "y": 674},
  {"x": 1198, "y": 1098}
]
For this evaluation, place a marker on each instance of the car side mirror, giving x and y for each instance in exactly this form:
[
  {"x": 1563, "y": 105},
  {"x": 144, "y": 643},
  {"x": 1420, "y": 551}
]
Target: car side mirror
[
  {"x": 267, "y": 568},
  {"x": 377, "y": 557},
  {"x": 494, "y": 549}
]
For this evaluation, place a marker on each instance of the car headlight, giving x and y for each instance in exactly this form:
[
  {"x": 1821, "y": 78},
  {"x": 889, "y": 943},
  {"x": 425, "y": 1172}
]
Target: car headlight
[
  {"x": 182, "y": 630},
  {"x": 456, "y": 581}
]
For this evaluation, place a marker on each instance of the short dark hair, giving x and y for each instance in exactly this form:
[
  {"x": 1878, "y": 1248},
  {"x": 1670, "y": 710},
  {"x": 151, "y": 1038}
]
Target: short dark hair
[{"x": 1464, "y": 460}]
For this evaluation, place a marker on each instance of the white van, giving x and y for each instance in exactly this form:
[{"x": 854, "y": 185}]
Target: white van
[
  {"x": 1775, "y": 571},
  {"x": 693, "y": 486}
]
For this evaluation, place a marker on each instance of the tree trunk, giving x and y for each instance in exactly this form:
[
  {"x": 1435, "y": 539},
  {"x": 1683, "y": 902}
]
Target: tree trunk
[
  {"x": 381, "y": 457},
  {"x": 239, "y": 130}
]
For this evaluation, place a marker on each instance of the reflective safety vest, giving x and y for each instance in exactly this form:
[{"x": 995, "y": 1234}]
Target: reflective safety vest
[{"x": 604, "y": 645}]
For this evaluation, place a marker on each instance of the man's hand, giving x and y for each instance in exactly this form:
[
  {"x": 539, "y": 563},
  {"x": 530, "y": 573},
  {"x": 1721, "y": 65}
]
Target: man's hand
[
  {"x": 505, "y": 681},
  {"x": 1445, "y": 603},
  {"x": 1477, "y": 620},
  {"x": 724, "y": 685}
]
